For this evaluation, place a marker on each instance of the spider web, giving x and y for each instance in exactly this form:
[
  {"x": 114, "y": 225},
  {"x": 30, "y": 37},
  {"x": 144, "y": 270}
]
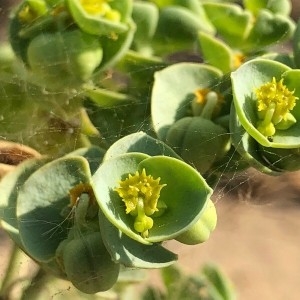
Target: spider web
[{"x": 248, "y": 186}]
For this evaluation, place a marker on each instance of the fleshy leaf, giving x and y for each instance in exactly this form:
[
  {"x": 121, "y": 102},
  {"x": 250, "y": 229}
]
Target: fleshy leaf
[
  {"x": 269, "y": 29},
  {"x": 276, "y": 6},
  {"x": 9, "y": 188},
  {"x": 199, "y": 141},
  {"x": 238, "y": 21},
  {"x": 106, "y": 98},
  {"x": 40, "y": 203},
  {"x": 139, "y": 142},
  {"x": 215, "y": 52},
  {"x": 176, "y": 30},
  {"x": 131, "y": 253},
  {"x": 145, "y": 16},
  {"x": 94, "y": 23},
  {"x": 94, "y": 155}
]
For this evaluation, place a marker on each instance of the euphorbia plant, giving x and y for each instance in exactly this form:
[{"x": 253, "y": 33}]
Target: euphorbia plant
[{"x": 134, "y": 136}]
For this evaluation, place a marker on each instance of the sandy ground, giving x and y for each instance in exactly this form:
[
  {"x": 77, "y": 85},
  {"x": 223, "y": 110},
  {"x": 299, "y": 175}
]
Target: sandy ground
[{"x": 256, "y": 245}]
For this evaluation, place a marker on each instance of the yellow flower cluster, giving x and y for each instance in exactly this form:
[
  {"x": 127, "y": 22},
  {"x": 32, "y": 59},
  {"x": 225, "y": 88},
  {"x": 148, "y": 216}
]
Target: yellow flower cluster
[
  {"x": 140, "y": 193},
  {"x": 101, "y": 8},
  {"x": 274, "y": 103}
]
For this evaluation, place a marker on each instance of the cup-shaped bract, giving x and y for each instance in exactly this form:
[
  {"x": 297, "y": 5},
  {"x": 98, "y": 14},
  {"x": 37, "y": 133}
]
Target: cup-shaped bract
[
  {"x": 150, "y": 199},
  {"x": 41, "y": 202},
  {"x": 185, "y": 102},
  {"x": 266, "y": 99},
  {"x": 282, "y": 7},
  {"x": 101, "y": 17},
  {"x": 9, "y": 188},
  {"x": 282, "y": 159},
  {"x": 177, "y": 29},
  {"x": 174, "y": 90}
]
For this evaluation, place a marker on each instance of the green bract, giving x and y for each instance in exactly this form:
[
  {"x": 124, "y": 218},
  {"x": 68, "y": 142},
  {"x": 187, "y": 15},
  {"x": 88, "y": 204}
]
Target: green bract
[
  {"x": 249, "y": 31},
  {"x": 169, "y": 213},
  {"x": 266, "y": 97},
  {"x": 101, "y": 17},
  {"x": 40, "y": 203},
  {"x": 186, "y": 102}
]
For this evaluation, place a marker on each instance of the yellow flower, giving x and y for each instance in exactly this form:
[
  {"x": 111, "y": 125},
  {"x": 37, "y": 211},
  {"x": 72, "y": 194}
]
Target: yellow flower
[
  {"x": 101, "y": 8},
  {"x": 140, "y": 193},
  {"x": 274, "y": 103}
]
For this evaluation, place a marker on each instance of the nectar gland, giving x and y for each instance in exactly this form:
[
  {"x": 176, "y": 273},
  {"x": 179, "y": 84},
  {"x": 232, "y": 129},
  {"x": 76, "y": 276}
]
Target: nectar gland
[
  {"x": 274, "y": 103},
  {"x": 140, "y": 193}
]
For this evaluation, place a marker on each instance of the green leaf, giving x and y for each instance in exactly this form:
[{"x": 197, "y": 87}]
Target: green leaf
[
  {"x": 139, "y": 142},
  {"x": 94, "y": 155},
  {"x": 176, "y": 85},
  {"x": 282, "y": 7},
  {"x": 106, "y": 98},
  {"x": 184, "y": 184},
  {"x": 10, "y": 186},
  {"x": 115, "y": 47},
  {"x": 296, "y": 45},
  {"x": 109, "y": 201},
  {"x": 41, "y": 201},
  {"x": 216, "y": 53},
  {"x": 282, "y": 159},
  {"x": 238, "y": 21},
  {"x": 177, "y": 30},
  {"x": 95, "y": 23},
  {"x": 268, "y": 29},
  {"x": 131, "y": 253},
  {"x": 145, "y": 15},
  {"x": 219, "y": 286}
]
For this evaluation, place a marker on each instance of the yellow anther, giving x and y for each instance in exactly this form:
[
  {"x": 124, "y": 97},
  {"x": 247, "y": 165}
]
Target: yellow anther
[
  {"x": 140, "y": 193},
  {"x": 274, "y": 103}
]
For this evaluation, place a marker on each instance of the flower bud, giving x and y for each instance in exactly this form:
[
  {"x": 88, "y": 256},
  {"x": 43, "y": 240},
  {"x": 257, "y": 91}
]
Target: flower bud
[
  {"x": 201, "y": 231},
  {"x": 88, "y": 265}
]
